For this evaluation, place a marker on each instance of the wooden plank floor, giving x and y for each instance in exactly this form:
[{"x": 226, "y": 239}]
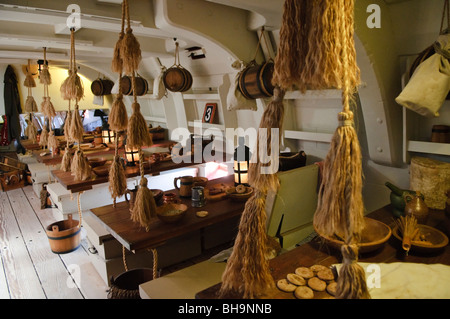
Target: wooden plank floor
[{"x": 28, "y": 268}]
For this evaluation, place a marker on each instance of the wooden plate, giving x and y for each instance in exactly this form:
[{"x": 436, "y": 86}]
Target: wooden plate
[{"x": 433, "y": 239}]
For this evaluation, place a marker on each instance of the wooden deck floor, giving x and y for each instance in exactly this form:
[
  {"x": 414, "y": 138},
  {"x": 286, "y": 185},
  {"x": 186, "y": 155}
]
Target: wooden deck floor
[{"x": 28, "y": 268}]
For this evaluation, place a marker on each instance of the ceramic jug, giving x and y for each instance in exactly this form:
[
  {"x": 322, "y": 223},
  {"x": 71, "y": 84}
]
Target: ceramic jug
[
  {"x": 185, "y": 188},
  {"x": 415, "y": 206}
]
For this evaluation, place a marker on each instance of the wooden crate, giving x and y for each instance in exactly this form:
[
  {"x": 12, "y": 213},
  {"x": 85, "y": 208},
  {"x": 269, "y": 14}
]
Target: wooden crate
[{"x": 13, "y": 174}]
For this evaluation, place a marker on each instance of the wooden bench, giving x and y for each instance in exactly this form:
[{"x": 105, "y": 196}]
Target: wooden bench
[{"x": 184, "y": 283}]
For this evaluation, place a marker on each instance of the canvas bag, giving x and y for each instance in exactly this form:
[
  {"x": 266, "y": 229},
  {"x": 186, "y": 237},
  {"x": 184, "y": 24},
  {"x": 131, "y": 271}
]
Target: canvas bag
[
  {"x": 235, "y": 99},
  {"x": 159, "y": 90},
  {"x": 429, "y": 85}
]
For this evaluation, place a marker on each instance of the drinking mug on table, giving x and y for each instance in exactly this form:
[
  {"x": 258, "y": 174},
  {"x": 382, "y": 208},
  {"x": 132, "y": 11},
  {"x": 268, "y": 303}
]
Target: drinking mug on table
[
  {"x": 132, "y": 193},
  {"x": 186, "y": 183},
  {"x": 198, "y": 196}
]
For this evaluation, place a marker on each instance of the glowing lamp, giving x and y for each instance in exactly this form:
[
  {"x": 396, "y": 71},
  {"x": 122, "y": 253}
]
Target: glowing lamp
[
  {"x": 241, "y": 163},
  {"x": 131, "y": 155},
  {"x": 107, "y": 135}
]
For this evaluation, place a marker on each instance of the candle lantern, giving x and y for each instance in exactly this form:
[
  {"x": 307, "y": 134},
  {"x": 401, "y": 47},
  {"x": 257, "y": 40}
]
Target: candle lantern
[
  {"x": 241, "y": 163},
  {"x": 108, "y": 136},
  {"x": 131, "y": 155}
]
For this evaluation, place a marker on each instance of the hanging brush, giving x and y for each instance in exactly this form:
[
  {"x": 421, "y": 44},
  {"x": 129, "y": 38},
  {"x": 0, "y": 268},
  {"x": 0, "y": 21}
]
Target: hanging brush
[{"x": 408, "y": 230}]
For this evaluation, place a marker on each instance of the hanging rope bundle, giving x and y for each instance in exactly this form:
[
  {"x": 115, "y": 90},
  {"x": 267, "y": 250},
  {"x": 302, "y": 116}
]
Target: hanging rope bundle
[
  {"x": 130, "y": 50},
  {"x": 45, "y": 77},
  {"x": 73, "y": 86},
  {"x": 116, "y": 177},
  {"x": 29, "y": 81},
  {"x": 118, "y": 121},
  {"x": 43, "y": 139},
  {"x": 31, "y": 131},
  {"x": 340, "y": 208},
  {"x": 117, "y": 63},
  {"x": 66, "y": 161},
  {"x": 30, "y": 103},
  {"x": 52, "y": 143},
  {"x": 247, "y": 269},
  {"x": 144, "y": 208},
  {"x": 80, "y": 166},
  {"x": 310, "y": 51}
]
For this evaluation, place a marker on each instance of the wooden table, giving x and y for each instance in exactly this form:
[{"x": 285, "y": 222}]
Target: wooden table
[
  {"x": 316, "y": 252},
  {"x": 98, "y": 151},
  {"x": 134, "y": 237},
  {"x": 67, "y": 180}
]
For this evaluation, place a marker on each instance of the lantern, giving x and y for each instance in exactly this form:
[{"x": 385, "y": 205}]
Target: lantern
[
  {"x": 241, "y": 163},
  {"x": 108, "y": 136},
  {"x": 131, "y": 155}
]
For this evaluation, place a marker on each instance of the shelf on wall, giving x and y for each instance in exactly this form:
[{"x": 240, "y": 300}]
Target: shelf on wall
[
  {"x": 308, "y": 136},
  {"x": 428, "y": 147},
  {"x": 155, "y": 119},
  {"x": 201, "y": 96}
]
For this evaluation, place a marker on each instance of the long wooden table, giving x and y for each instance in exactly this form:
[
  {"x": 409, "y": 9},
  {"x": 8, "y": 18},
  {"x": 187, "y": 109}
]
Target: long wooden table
[
  {"x": 317, "y": 252},
  {"x": 97, "y": 151},
  {"x": 68, "y": 180},
  {"x": 134, "y": 237}
]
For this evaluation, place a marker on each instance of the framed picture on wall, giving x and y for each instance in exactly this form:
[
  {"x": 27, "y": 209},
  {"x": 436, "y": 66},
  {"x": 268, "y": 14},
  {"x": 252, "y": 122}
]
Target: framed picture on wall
[{"x": 210, "y": 111}]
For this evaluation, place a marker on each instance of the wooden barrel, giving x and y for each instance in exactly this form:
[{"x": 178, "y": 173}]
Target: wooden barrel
[
  {"x": 126, "y": 285},
  {"x": 101, "y": 87},
  {"x": 127, "y": 87},
  {"x": 64, "y": 236},
  {"x": 255, "y": 81},
  {"x": 177, "y": 79}
]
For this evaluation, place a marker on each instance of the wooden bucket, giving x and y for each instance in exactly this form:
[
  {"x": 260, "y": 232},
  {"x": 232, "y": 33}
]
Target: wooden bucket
[
  {"x": 127, "y": 87},
  {"x": 126, "y": 285},
  {"x": 64, "y": 236},
  {"x": 255, "y": 81},
  {"x": 177, "y": 79},
  {"x": 101, "y": 87}
]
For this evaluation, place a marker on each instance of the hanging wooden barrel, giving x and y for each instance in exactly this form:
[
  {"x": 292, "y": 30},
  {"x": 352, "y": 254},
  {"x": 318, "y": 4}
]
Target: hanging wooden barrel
[
  {"x": 101, "y": 87},
  {"x": 126, "y": 285},
  {"x": 177, "y": 79},
  {"x": 255, "y": 81},
  {"x": 127, "y": 87},
  {"x": 64, "y": 236}
]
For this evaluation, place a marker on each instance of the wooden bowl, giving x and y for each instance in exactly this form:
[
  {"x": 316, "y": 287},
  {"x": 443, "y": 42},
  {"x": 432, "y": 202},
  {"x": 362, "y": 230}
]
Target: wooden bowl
[
  {"x": 101, "y": 170},
  {"x": 240, "y": 197},
  {"x": 97, "y": 161},
  {"x": 374, "y": 235},
  {"x": 434, "y": 239},
  {"x": 171, "y": 213}
]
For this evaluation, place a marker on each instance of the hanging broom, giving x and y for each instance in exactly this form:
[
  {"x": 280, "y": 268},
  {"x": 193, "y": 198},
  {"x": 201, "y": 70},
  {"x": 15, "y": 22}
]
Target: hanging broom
[
  {"x": 45, "y": 77},
  {"x": 340, "y": 208},
  {"x": 247, "y": 270}
]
